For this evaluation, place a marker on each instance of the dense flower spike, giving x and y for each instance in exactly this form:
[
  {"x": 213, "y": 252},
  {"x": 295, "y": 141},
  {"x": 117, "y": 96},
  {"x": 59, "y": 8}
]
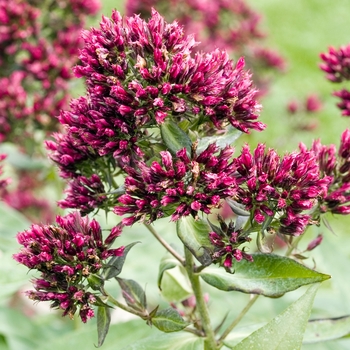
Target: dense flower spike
[
  {"x": 146, "y": 71},
  {"x": 269, "y": 185},
  {"x": 84, "y": 194},
  {"x": 336, "y": 64},
  {"x": 178, "y": 186},
  {"x": 226, "y": 241},
  {"x": 335, "y": 165},
  {"x": 67, "y": 255},
  {"x": 223, "y": 24},
  {"x": 139, "y": 75}
]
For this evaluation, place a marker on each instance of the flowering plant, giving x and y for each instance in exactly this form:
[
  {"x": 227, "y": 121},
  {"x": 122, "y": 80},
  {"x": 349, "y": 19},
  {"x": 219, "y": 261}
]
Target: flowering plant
[{"x": 152, "y": 141}]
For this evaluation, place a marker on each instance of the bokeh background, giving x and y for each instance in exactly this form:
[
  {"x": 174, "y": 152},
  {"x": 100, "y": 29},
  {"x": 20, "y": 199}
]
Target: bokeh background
[{"x": 300, "y": 30}]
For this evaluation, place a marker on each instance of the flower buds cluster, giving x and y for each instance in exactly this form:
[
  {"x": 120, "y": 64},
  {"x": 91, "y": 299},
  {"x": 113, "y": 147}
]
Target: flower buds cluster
[
  {"x": 226, "y": 241},
  {"x": 336, "y": 166},
  {"x": 288, "y": 186},
  {"x": 140, "y": 76},
  {"x": 336, "y": 64},
  {"x": 68, "y": 255},
  {"x": 178, "y": 186},
  {"x": 228, "y": 25}
]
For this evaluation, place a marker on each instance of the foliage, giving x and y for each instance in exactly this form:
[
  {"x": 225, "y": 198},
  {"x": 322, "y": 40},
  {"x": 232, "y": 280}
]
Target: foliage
[{"x": 156, "y": 140}]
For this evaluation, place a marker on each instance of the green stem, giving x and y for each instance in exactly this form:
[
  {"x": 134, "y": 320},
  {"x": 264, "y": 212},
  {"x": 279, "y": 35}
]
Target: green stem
[
  {"x": 238, "y": 318},
  {"x": 143, "y": 315},
  {"x": 200, "y": 302},
  {"x": 166, "y": 245},
  {"x": 293, "y": 245}
]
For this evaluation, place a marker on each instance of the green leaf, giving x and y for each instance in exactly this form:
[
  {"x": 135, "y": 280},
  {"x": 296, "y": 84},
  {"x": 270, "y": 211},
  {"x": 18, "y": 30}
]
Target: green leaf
[
  {"x": 169, "y": 320},
  {"x": 133, "y": 294},
  {"x": 327, "y": 329},
  {"x": 230, "y": 136},
  {"x": 103, "y": 322},
  {"x": 286, "y": 330},
  {"x": 115, "y": 264},
  {"x": 270, "y": 275},
  {"x": 175, "y": 285},
  {"x": 175, "y": 138},
  {"x": 172, "y": 341},
  {"x": 167, "y": 263},
  {"x": 194, "y": 234}
]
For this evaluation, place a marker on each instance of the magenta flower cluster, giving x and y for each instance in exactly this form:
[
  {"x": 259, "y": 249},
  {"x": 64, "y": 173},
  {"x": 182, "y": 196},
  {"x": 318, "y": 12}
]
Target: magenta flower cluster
[
  {"x": 227, "y": 25},
  {"x": 336, "y": 166},
  {"x": 227, "y": 241},
  {"x": 147, "y": 71},
  {"x": 287, "y": 186},
  {"x": 336, "y": 64},
  {"x": 178, "y": 186},
  {"x": 140, "y": 75},
  {"x": 67, "y": 255},
  {"x": 84, "y": 194}
]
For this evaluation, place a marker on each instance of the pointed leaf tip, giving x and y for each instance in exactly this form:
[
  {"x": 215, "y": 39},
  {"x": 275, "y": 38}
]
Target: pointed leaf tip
[
  {"x": 268, "y": 274},
  {"x": 103, "y": 322},
  {"x": 169, "y": 320},
  {"x": 286, "y": 330}
]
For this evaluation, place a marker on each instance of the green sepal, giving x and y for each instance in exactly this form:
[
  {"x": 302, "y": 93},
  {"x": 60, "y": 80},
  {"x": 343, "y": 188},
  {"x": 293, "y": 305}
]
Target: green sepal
[{"x": 96, "y": 282}]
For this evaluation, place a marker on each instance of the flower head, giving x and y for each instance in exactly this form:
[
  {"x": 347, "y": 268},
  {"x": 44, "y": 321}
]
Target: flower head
[
  {"x": 84, "y": 194},
  {"x": 227, "y": 241},
  {"x": 67, "y": 255},
  {"x": 336, "y": 64},
  {"x": 146, "y": 70},
  {"x": 178, "y": 186},
  {"x": 336, "y": 166},
  {"x": 288, "y": 186}
]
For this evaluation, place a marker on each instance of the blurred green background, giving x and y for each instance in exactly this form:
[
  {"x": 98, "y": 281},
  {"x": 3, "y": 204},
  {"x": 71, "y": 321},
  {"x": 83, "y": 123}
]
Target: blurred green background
[{"x": 299, "y": 30}]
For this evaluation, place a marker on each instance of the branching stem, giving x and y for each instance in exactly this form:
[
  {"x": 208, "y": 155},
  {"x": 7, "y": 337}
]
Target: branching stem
[
  {"x": 238, "y": 318},
  {"x": 166, "y": 245},
  {"x": 202, "y": 308},
  {"x": 143, "y": 315}
]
